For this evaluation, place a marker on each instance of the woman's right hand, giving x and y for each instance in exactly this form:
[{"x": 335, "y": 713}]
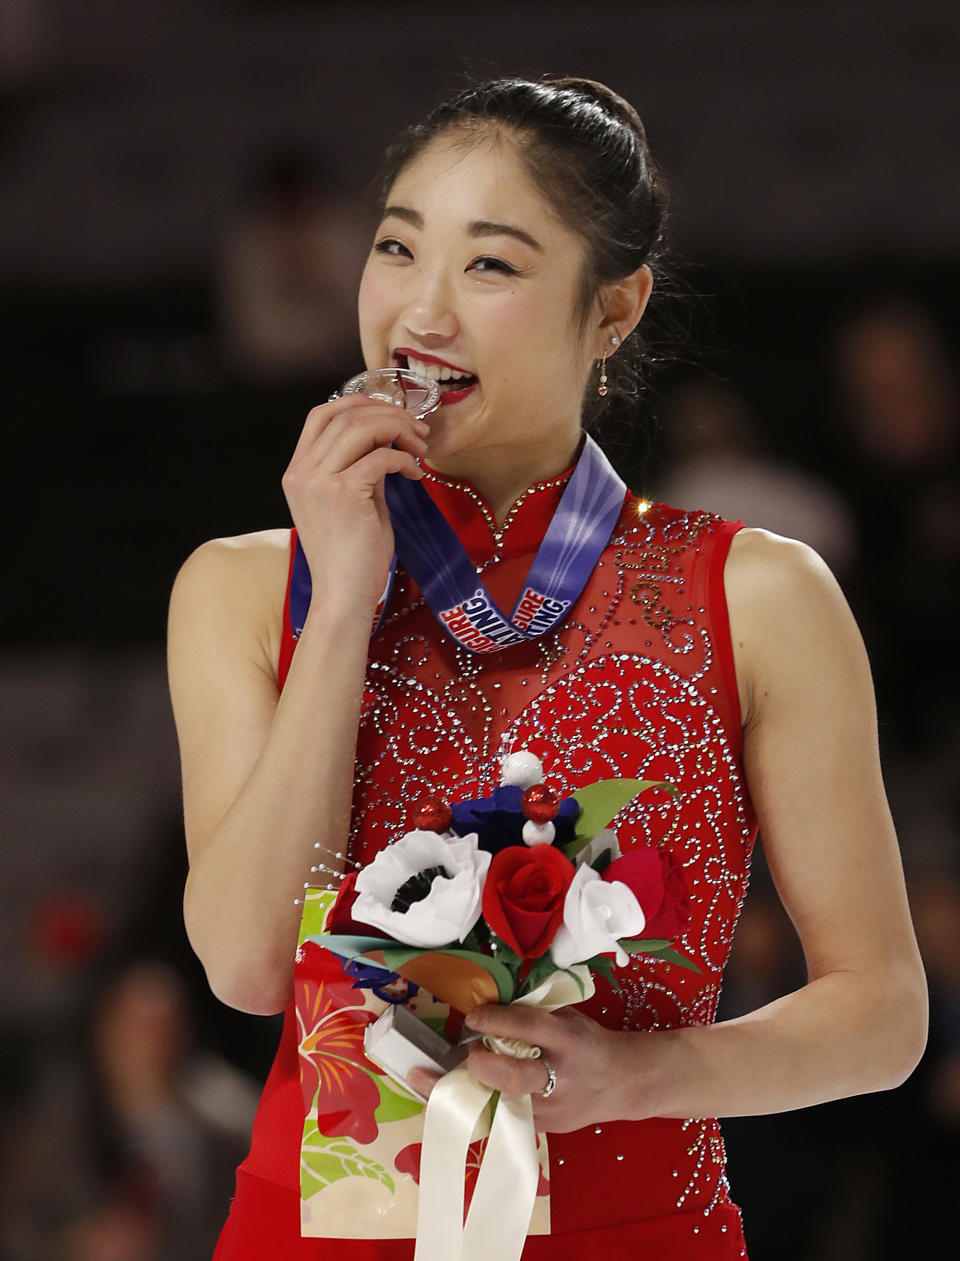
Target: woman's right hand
[{"x": 334, "y": 487}]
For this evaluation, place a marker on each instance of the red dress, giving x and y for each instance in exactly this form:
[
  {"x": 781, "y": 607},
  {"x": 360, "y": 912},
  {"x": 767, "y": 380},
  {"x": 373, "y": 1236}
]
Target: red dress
[{"x": 637, "y": 682}]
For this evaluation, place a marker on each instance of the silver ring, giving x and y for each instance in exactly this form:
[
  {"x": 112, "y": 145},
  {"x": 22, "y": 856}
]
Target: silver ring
[{"x": 551, "y": 1085}]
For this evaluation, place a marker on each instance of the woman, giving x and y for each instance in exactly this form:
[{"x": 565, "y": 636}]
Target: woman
[{"x": 515, "y": 254}]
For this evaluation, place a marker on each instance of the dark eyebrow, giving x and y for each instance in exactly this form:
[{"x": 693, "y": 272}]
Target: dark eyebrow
[
  {"x": 482, "y": 227},
  {"x": 475, "y": 228},
  {"x": 413, "y": 217}
]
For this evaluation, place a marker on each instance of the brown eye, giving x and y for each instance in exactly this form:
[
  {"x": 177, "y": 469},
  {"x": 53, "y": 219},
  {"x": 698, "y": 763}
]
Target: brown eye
[
  {"x": 487, "y": 263},
  {"x": 392, "y": 248}
]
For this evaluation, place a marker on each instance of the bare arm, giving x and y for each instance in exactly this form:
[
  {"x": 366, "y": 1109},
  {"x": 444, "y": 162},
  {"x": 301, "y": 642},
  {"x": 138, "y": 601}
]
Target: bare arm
[
  {"x": 265, "y": 775},
  {"x": 812, "y": 764}
]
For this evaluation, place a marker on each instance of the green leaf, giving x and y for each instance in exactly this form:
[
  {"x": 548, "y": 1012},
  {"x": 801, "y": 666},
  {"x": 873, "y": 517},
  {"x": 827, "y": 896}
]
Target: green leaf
[
  {"x": 325, "y": 1160},
  {"x": 318, "y": 1171},
  {"x": 393, "y": 1105},
  {"x": 492, "y": 1105},
  {"x": 637, "y": 946},
  {"x": 570, "y": 972},
  {"x": 603, "y": 965},
  {"x": 681, "y": 960},
  {"x": 543, "y": 968},
  {"x": 348, "y": 947},
  {"x": 316, "y": 907},
  {"x": 660, "y": 950},
  {"x": 599, "y": 803},
  {"x": 506, "y": 954}
]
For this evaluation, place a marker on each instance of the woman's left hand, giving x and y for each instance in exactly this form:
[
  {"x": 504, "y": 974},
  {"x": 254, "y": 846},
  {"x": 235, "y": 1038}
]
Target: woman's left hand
[{"x": 600, "y": 1073}]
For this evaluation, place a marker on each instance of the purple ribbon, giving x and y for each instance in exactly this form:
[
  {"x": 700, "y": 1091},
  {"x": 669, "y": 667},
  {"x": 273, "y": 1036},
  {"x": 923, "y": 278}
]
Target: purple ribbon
[{"x": 435, "y": 558}]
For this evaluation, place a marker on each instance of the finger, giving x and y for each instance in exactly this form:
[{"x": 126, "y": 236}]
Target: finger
[
  {"x": 319, "y": 419},
  {"x": 370, "y": 470},
  {"x": 539, "y": 1028},
  {"x": 343, "y": 416},
  {"x": 422, "y": 1081},
  {"x": 347, "y": 438},
  {"x": 504, "y": 1073}
]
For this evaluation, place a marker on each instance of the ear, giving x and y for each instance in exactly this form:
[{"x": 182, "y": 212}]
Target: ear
[{"x": 622, "y": 306}]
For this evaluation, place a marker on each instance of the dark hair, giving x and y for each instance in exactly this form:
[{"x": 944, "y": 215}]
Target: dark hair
[{"x": 586, "y": 149}]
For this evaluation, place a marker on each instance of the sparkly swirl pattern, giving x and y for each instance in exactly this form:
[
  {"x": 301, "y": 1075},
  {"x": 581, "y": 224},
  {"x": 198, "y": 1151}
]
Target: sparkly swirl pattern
[{"x": 635, "y": 683}]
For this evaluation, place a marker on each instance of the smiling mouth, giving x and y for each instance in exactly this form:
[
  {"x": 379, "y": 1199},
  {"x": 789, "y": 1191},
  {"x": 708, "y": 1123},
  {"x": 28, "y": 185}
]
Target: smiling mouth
[{"x": 453, "y": 382}]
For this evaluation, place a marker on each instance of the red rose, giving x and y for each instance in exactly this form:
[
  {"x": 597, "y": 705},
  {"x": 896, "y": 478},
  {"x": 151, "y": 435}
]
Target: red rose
[
  {"x": 656, "y": 879},
  {"x": 523, "y": 896},
  {"x": 340, "y": 919}
]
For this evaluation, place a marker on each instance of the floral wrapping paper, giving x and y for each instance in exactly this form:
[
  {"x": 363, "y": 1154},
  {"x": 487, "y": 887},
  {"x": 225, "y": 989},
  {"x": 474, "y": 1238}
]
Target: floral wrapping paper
[{"x": 362, "y": 1132}]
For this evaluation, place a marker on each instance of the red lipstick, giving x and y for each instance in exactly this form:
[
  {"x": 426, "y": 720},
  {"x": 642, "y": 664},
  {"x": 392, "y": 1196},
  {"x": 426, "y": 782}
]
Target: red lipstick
[
  {"x": 454, "y": 396},
  {"x": 424, "y": 358}
]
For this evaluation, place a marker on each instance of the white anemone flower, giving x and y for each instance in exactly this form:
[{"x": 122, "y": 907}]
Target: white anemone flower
[
  {"x": 424, "y": 889},
  {"x": 596, "y": 913}
]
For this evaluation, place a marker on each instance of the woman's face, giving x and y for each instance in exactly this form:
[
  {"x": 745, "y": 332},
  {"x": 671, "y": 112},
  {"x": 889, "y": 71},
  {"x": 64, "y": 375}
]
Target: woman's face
[{"x": 471, "y": 271}]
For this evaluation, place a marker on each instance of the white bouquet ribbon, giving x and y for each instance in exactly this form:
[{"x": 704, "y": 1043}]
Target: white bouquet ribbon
[{"x": 506, "y": 1187}]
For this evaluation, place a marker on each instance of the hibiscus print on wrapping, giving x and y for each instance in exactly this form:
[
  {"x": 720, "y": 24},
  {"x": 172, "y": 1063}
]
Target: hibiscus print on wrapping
[{"x": 334, "y": 1072}]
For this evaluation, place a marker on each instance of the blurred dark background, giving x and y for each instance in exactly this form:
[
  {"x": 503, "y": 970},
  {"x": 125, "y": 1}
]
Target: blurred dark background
[{"x": 183, "y": 219}]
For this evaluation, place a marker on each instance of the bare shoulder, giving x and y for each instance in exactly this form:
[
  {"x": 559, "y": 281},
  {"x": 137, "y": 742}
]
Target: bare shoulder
[
  {"x": 233, "y": 589},
  {"x": 233, "y": 563},
  {"x": 761, "y": 555},
  {"x": 787, "y": 613}
]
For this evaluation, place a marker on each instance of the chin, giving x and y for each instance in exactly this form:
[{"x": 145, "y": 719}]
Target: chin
[{"x": 440, "y": 445}]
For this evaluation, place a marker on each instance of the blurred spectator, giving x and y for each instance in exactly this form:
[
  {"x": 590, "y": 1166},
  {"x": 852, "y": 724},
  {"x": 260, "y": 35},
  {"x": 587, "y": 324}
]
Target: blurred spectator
[
  {"x": 898, "y": 391},
  {"x": 769, "y": 1154},
  {"x": 919, "y": 1132},
  {"x": 899, "y": 413},
  {"x": 936, "y": 908},
  {"x": 125, "y": 1148},
  {"x": 717, "y": 460},
  {"x": 289, "y": 270}
]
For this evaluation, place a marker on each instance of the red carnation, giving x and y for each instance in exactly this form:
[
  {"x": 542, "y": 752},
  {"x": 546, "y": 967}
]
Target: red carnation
[
  {"x": 656, "y": 879},
  {"x": 523, "y": 896}
]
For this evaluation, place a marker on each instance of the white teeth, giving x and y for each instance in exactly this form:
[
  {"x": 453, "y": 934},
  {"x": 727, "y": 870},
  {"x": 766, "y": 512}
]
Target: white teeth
[{"x": 435, "y": 371}]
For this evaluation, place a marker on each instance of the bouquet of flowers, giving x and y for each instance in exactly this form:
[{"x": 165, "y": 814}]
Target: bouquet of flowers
[
  {"x": 518, "y": 897},
  {"x": 484, "y": 900}
]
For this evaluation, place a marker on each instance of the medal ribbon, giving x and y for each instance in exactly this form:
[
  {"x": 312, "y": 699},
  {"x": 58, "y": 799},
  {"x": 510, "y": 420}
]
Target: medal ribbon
[{"x": 436, "y": 560}]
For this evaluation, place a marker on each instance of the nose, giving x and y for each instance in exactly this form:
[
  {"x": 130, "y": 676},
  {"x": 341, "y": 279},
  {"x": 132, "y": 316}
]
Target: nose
[{"x": 430, "y": 317}]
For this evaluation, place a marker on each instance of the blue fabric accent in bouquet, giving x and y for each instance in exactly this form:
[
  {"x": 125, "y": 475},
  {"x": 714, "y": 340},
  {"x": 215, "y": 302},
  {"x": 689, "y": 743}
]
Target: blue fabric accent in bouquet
[{"x": 498, "y": 820}]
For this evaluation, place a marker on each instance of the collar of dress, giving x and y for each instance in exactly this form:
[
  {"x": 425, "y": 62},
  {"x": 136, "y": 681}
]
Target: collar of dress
[{"x": 474, "y": 523}]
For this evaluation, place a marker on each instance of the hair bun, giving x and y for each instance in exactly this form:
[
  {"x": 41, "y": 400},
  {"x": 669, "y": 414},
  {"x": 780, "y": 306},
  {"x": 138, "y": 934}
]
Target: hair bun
[{"x": 608, "y": 100}]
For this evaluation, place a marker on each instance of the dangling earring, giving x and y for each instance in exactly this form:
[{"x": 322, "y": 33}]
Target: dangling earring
[{"x": 602, "y": 387}]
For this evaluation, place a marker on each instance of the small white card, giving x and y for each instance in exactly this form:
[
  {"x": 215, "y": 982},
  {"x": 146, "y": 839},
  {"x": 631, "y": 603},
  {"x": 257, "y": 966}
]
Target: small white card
[{"x": 399, "y": 1042}]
